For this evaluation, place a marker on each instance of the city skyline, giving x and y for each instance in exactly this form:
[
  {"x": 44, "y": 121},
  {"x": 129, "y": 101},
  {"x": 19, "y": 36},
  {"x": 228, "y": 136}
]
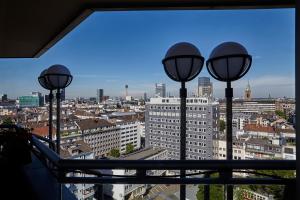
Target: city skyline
[{"x": 98, "y": 51}]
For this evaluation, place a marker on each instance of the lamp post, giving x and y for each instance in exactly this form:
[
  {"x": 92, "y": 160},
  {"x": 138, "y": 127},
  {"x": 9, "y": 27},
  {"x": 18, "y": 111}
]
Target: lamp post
[
  {"x": 228, "y": 62},
  {"x": 43, "y": 82},
  {"x": 182, "y": 63},
  {"x": 58, "y": 77}
]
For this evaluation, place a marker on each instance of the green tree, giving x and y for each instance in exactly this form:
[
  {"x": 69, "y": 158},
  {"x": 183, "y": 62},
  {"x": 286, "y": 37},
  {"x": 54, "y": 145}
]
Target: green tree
[
  {"x": 7, "y": 121},
  {"x": 115, "y": 153},
  {"x": 129, "y": 148},
  {"x": 216, "y": 192},
  {"x": 276, "y": 190},
  {"x": 280, "y": 114},
  {"x": 222, "y": 125}
]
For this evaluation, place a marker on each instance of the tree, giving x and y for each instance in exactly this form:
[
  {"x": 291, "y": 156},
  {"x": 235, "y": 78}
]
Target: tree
[
  {"x": 115, "y": 153},
  {"x": 276, "y": 190},
  {"x": 7, "y": 121},
  {"x": 129, "y": 148},
  {"x": 280, "y": 114},
  {"x": 222, "y": 125},
  {"x": 216, "y": 192}
]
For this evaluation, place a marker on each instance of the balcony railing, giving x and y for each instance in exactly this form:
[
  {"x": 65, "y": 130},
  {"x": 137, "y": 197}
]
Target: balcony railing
[{"x": 61, "y": 167}]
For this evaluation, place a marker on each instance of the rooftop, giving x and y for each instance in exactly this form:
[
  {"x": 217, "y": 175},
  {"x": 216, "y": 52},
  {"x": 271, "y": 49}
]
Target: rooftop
[
  {"x": 259, "y": 128},
  {"x": 86, "y": 124},
  {"x": 74, "y": 148},
  {"x": 143, "y": 154}
]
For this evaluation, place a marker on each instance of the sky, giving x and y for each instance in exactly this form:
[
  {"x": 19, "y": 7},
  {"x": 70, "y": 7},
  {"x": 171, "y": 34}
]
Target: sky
[{"x": 111, "y": 49}]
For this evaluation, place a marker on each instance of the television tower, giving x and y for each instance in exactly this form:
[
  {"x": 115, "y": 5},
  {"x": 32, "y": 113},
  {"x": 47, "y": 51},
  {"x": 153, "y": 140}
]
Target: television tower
[{"x": 126, "y": 90}]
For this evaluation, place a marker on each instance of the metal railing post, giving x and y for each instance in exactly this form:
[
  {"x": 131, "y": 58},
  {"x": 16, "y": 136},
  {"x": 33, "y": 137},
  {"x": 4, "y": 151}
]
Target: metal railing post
[
  {"x": 58, "y": 121},
  {"x": 229, "y": 95},
  {"x": 183, "y": 95},
  {"x": 50, "y": 116},
  {"x": 206, "y": 188}
]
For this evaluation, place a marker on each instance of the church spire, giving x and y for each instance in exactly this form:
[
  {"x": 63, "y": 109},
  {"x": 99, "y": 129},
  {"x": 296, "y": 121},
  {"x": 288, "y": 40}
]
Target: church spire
[{"x": 247, "y": 96}]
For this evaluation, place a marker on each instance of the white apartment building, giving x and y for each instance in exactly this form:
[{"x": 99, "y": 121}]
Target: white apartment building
[
  {"x": 129, "y": 134},
  {"x": 219, "y": 149},
  {"x": 241, "y": 106},
  {"x": 141, "y": 129},
  {"x": 131, "y": 191},
  {"x": 101, "y": 135},
  {"x": 162, "y": 125},
  {"x": 79, "y": 150}
]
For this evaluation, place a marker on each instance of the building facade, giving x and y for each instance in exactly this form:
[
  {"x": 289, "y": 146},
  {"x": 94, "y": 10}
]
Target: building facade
[
  {"x": 249, "y": 107},
  {"x": 205, "y": 87},
  {"x": 30, "y": 101},
  {"x": 100, "y": 94},
  {"x": 129, "y": 134},
  {"x": 133, "y": 191},
  {"x": 162, "y": 126},
  {"x": 79, "y": 150},
  {"x": 101, "y": 135},
  {"x": 160, "y": 90}
]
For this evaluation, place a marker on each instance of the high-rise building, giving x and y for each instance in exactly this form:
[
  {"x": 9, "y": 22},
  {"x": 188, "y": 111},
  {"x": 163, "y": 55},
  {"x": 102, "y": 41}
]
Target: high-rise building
[
  {"x": 205, "y": 87},
  {"x": 4, "y": 97},
  {"x": 63, "y": 94},
  {"x": 145, "y": 96},
  {"x": 160, "y": 90},
  {"x": 162, "y": 126},
  {"x": 46, "y": 98},
  {"x": 29, "y": 101},
  {"x": 247, "y": 96},
  {"x": 100, "y": 94}
]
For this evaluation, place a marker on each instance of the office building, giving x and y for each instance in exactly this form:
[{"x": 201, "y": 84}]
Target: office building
[
  {"x": 100, "y": 94},
  {"x": 46, "y": 98},
  {"x": 4, "y": 97},
  {"x": 249, "y": 107},
  {"x": 162, "y": 126},
  {"x": 160, "y": 90},
  {"x": 134, "y": 191},
  {"x": 33, "y": 100},
  {"x": 101, "y": 135},
  {"x": 63, "y": 94},
  {"x": 205, "y": 87},
  {"x": 128, "y": 126}
]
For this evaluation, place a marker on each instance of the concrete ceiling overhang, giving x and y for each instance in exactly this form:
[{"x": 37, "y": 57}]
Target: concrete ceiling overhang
[{"x": 28, "y": 28}]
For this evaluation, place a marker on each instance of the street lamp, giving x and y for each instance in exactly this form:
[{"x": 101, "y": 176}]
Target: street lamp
[
  {"x": 182, "y": 63},
  {"x": 43, "y": 82},
  {"x": 228, "y": 62},
  {"x": 57, "y": 78}
]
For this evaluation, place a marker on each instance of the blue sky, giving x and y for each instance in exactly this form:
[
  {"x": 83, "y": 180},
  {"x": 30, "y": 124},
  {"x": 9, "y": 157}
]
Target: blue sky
[{"x": 111, "y": 49}]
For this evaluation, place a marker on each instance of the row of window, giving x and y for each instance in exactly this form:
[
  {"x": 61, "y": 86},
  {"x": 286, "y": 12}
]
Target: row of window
[
  {"x": 177, "y": 108},
  {"x": 195, "y": 136},
  {"x": 102, "y": 136},
  {"x": 176, "y": 114},
  {"x": 126, "y": 136},
  {"x": 129, "y": 127},
  {"x": 131, "y": 131},
  {"x": 202, "y": 144},
  {"x": 203, "y": 130},
  {"x": 135, "y": 138},
  {"x": 193, "y": 122},
  {"x": 203, "y": 137}
]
